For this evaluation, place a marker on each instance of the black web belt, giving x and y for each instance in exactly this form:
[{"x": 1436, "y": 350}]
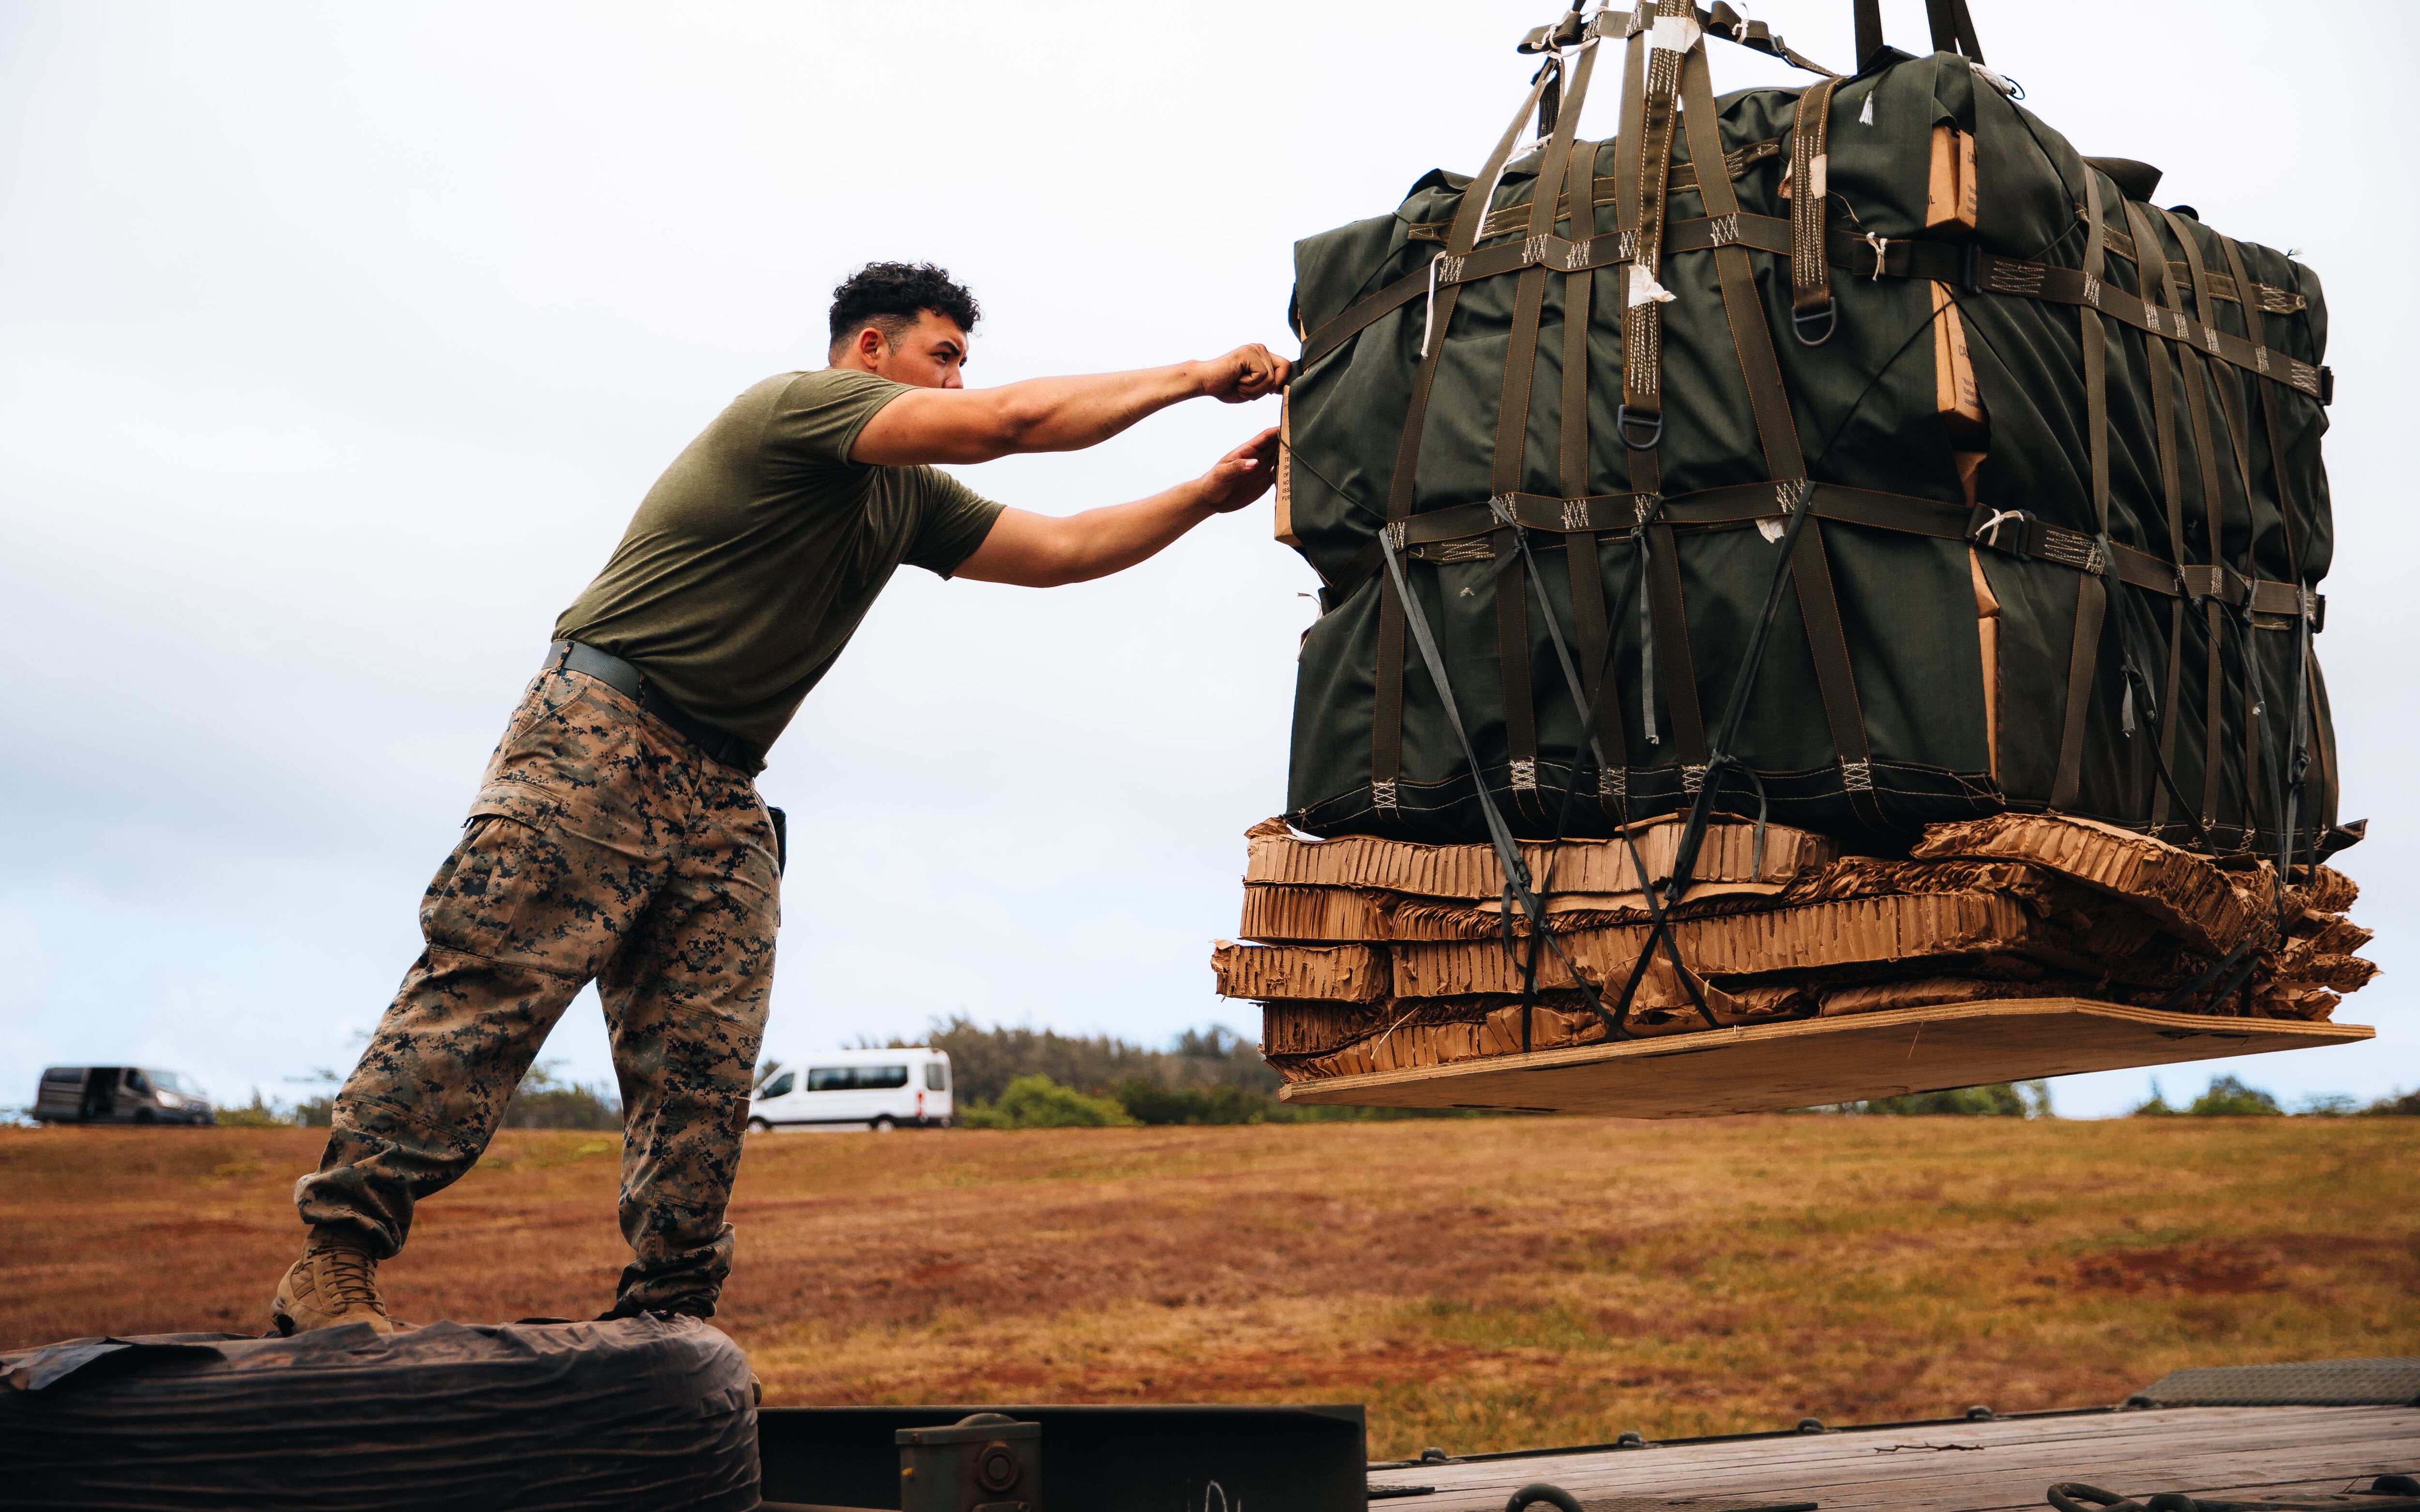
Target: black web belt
[{"x": 627, "y": 680}]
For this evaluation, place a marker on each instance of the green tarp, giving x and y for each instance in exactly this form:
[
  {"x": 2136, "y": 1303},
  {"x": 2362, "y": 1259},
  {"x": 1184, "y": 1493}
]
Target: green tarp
[{"x": 2076, "y": 608}]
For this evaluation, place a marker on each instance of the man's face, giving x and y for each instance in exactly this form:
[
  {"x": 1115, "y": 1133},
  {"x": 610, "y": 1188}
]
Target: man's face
[{"x": 927, "y": 355}]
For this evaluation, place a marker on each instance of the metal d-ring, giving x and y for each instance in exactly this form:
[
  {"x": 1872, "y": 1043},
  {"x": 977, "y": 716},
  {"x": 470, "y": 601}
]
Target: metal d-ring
[
  {"x": 1623, "y": 421},
  {"x": 1829, "y": 314}
]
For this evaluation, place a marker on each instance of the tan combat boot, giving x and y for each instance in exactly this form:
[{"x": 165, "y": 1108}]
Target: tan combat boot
[{"x": 335, "y": 1282}]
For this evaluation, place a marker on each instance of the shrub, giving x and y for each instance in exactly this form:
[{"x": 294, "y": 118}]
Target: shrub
[
  {"x": 2009, "y": 1099},
  {"x": 982, "y": 1061},
  {"x": 259, "y": 1113},
  {"x": 2006, "y": 1099},
  {"x": 541, "y": 1101},
  {"x": 2225, "y": 1097},
  {"x": 2228, "y": 1098},
  {"x": 1150, "y": 1101},
  {"x": 1038, "y": 1102}
]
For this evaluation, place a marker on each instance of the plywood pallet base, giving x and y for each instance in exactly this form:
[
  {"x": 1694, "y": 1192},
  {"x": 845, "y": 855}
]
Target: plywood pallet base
[{"x": 1770, "y": 1067}]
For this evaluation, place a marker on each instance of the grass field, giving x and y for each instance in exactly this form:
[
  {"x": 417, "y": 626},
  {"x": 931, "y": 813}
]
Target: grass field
[{"x": 1481, "y": 1284}]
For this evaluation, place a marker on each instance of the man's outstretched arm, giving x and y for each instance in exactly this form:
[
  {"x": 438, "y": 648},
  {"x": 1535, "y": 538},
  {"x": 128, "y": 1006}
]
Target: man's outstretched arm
[
  {"x": 1044, "y": 550},
  {"x": 1052, "y": 414}
]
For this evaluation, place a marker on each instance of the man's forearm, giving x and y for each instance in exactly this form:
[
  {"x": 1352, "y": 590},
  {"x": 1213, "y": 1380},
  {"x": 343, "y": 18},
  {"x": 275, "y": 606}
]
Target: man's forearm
[
  {"x": 1067, "y": 414},
  {"x": 1051, "y": 414},
  {"x": 1041, "y": 552},
  {"x": 1098, "y": 542}
]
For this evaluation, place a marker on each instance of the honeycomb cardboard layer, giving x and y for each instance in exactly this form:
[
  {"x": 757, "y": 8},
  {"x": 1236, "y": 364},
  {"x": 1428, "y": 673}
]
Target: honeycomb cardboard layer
[{"x": 1381, "y": 958}]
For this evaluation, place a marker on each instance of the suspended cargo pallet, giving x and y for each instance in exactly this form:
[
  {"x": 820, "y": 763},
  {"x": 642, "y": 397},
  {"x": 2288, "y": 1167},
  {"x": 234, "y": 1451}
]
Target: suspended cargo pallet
[
  {"x": 1767, "y": 1068},
  {"x": 1862, "y": 462}
]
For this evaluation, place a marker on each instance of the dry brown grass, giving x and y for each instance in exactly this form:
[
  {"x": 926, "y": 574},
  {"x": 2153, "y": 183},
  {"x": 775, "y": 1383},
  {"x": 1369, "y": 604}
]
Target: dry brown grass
[{"x": 1482, "y": 1285}]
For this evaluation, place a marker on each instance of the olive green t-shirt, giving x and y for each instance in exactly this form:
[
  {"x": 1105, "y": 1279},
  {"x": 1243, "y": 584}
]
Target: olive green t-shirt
[{"x": 754, "y": 556}]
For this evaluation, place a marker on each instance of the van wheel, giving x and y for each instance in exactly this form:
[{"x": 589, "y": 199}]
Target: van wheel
[
  {"x": 143, "y": 1114},
  {"x": 885, "y": 1124},
  {"x": 759, "y": 1126}
]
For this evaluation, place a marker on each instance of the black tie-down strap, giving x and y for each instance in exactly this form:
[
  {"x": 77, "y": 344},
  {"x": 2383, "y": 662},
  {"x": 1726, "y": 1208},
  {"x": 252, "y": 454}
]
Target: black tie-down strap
[
  {"x": 1584, "y": 702},
  {"x": 1701, "y": 812},
  {"x": 1719, "y": 759},
  {"x": 1508, "y": 852}
]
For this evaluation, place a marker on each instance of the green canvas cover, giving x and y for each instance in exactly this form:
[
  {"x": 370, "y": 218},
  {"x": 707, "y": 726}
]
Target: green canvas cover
[{"x": 2150, "y": 517}]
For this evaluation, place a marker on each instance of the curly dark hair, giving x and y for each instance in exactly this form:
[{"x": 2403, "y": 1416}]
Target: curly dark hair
[{"x": 889, "y": 296}]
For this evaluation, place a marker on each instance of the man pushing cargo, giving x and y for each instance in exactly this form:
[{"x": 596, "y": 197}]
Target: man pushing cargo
[{"x": 617, "y": 836}]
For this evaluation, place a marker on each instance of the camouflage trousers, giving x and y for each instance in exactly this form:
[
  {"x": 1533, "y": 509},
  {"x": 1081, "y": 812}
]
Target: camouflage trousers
[{"x": 603, "y": 848}]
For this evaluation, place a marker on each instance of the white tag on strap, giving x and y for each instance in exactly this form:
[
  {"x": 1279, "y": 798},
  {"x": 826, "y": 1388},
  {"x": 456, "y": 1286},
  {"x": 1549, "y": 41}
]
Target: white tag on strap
[
  {"x": 1645, "y": 291},
  {"x": 1674, "y": 34}
]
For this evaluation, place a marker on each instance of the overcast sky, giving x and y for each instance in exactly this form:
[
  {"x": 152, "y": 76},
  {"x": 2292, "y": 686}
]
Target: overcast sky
[{"x": 341, "y": 341}]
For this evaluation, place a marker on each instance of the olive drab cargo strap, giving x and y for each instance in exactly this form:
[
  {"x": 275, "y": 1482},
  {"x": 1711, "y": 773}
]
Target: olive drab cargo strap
[
  {"x": 2004, "y": 531},
  {"x": 1643, "y": 156},
  {"x": 1668, "y": 38},
  {"x": 1640, "y": 471},
  {"x": 1962, "y": 265},
  {"x": 2297, "y": 754},
  {"x": 2163, "y": 435},
  {"x": 1953, "y": 29},
  {"x": 1802, "y": 559},
  {"x": 2209, "y": 393},
  {"x": 2230, "y": 391},
  {"x": 2191, "y": 368},
  {"x": 1758, "y": 38},
  {"x": 1512, "y": 424},
  {"x": 2239, "y": 430},
  {"x": 2091, "y": 597},
  {"x": 1386, "y": 723},
  {"x": 1814, "y": 316},
  {"x": 1583, "y": 562},
  {"x": 2294, "y": 757},
  {"x": 1784, "y": 458}
]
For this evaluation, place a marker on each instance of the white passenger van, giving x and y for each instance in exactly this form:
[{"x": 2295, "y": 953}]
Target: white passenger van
[{"x": 854, "y": 1089}]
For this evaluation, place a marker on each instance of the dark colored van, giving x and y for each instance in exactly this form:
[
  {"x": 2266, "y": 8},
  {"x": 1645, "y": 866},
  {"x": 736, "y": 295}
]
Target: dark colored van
[{"x": 119, "y": 1094}]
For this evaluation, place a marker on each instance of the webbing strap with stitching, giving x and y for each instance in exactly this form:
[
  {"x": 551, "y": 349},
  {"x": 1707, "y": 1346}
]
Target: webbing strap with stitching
[
  {"x": 2155, "y": 354},
  {"x": 2206, "y": 380},
  {"x": 2192, "y": 367},
  {"x": 1777, "y": 435},
  {"x": 1810, "y": 269},
  {"x": 1513, "y": 440},
  {"x": 2091, "y": 597},
  {"x": 1960, "y": 264},
  {"x": 1387, "y": 721},
  {"x": 2012, "y": 532},
  {"x": 1513, "y": 218},
  {"x": 2295, "y": 752},
  {"x": 2254, "y": 702},
  {"x": 1642, "y": 314},
  {"x": 1583, "y": 564}
]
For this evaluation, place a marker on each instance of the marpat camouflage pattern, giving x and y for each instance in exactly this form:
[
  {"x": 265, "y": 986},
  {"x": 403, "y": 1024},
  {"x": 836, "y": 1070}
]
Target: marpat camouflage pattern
[{"x": 603, "y": 846}]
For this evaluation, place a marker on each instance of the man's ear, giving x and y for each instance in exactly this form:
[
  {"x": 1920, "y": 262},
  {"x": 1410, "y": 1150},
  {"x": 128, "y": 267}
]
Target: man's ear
[{"x": 872, "y": 345}]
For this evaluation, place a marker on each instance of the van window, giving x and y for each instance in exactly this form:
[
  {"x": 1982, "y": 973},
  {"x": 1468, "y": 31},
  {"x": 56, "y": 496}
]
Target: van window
[
  {"x": 854, "y": 1078},
  {"x": 780, "y": 1086},
  {"x": 937, "y": 1076},
  {"x": 64, "y": 1074},
  {"x": 134, "y": 1082}
]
